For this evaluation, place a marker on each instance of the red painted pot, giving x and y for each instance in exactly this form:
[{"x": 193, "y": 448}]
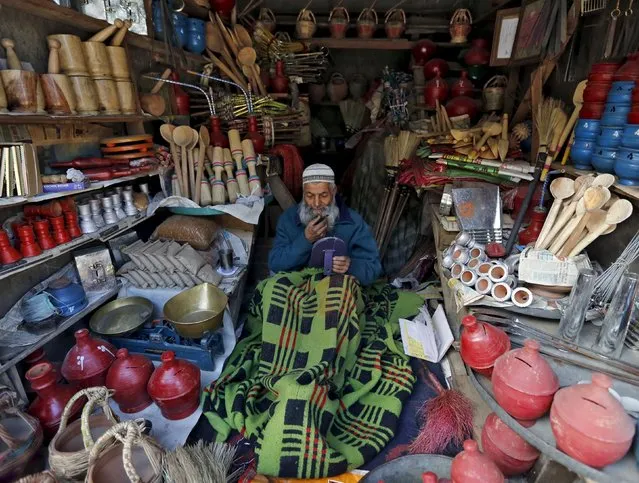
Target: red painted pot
[
  {"x": 180, "y": 97},
  {"x": 509, "y": 451},
  {"x": 88, "y": 361},
  {"x": 629, "y": 71},
  {"x": 223, "y": 7},
  {"x": 51, "y": 398},
  {"x": 481, "y": 344},
  {"x": 175, "y": 387},
  {"x": 435, "y": 90},
  {"x": 43, "y": 232},
  {"x": 8, "y": 254},
  {"x": 434, "y": 67},
  {"x": 589, "y": 424},
  {"x": 462, "y": 105},
  {"x": 338, "y": 21},
  {"x": 72, "y": 224},
  {"x": 424, "y": 50},
  {"x": 531, "y": 233},
  {"x": 633, "y": 118},
  {"x": 600, "y": 77},
  {"x": 462, "y": 86},
  {"x": 254, "y": 135},
  {"x": 592, "y": 110},
  {"x": 524, "y": 383},
  {"x": 471, "y": 466},
  {"x": 128, "y": 376},
  {"x": 279, "y": 82},
  {"x": 53, "y": 208},
  {"x": 217, "y": 136},
  {"x": 596, "y": 91},
  {"x": 60, "y": 233},
  {"x": 605, "y": 67},
  {"x": 68, "y": 204},
  {"x": 28, "y": 245},
  {"x": 478, "y": 54}
]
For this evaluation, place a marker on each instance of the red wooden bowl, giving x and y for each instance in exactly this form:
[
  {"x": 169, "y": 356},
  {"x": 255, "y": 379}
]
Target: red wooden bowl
[
  {"x": 596, "y": 91},
  {"x": 600, "y": 77},
  {"x": 608, "y": 67},
  {"x": 633, "y": 117},
  {"x": 592, "y": 110}
]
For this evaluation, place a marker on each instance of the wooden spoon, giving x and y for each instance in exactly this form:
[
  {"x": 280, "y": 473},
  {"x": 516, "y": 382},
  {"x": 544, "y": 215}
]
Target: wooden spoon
[
  {"x": 578, "y": 101},
  {"x": 618, "y": 212},
  {"x": 247, "y": 57},
  {"x": 594, "y": 199},
  {"x": 605, "y": 180},
  {"x": 167, "y": 130},
  {"x": 243, "y": 37},
  {"x": 183, "y": 136},
  {"x": 490, "y": 129},
  {"x": 195, "y": 138},
  {"x": 569, "y": 228},
  {"x": 560, "y": 188},
  {"x": 215, "y": 43},
  {"x": 205, "y": 140},
  {"x": 502, "y": 147}
]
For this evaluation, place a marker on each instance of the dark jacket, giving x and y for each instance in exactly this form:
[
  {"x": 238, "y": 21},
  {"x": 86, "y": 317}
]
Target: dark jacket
[{"x": 292, "y": 251}]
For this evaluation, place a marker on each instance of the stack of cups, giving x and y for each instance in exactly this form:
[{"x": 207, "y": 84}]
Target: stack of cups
[{"x": 627, "y": 162}]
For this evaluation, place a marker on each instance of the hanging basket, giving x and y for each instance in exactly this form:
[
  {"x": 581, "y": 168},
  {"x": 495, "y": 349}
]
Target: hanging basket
[
  {"x": 266, "y": 19},
  {"x": 366, "y": 23},
  {"x": 74, "y": 464},
  {"x": 338, "y": 21},
  {"x": 493, "y": 93},
  {"x": 395, "y": 23},
  {"x": 460, "y": 26},
  {"x": 306, "y": 24}
]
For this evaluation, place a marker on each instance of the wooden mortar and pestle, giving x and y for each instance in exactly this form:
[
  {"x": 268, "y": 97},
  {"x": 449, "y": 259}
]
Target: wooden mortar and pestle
[
  {"x": 95, "y": 52},
  {"x": 20, "y": 86},
  {"x": 58, "y": 93},
  {"x": 120, "y": 69},
  {"x": 153, "y": 102}
]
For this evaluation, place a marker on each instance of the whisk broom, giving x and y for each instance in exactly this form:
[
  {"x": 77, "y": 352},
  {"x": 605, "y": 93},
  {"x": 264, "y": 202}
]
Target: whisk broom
[
  {"x": 199, "y": 462},
  {"x": 549, "y": 122}
]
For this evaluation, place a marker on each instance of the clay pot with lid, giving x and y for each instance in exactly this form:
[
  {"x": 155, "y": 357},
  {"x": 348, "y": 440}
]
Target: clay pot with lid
[
  {"x": 524, "y": 383},
  {"x": 509, "y": 451},
  {"x": 589, "y": 424},
  {"x": 435, "y": 90},
  {"x": 481, "y": 345},
  {"x": 462, "y": 86},
  {"x": 175, "y": 387},
  {"x": 424, "y": 50},
  {"x": 462, "y": 105},
  {"x": 471, "y": 466},
  {"x": 128, "y": 376},
  {"x": 435, "y": 67},
  {"x": 87, "y": 362},
  {"x": 629, "y": 71},
  {"x": 478, "y": 54}
]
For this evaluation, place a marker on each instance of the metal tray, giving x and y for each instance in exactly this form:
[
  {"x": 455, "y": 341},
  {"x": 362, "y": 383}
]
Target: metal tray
[
  {"x": 409, "y": 469},
  {"x": 121, "y": 316}
]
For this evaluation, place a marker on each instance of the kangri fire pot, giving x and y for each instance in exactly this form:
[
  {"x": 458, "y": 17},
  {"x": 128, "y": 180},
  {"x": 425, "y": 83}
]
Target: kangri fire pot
[{"x": 481, "y": 345}]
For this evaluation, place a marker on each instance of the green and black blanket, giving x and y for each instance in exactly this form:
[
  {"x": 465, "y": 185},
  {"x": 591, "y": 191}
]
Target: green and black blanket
[{"x": 319, "y": 382}]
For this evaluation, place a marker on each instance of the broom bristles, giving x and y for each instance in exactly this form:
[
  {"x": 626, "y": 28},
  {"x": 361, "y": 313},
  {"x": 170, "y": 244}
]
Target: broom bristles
[{"x": 548, "y": 118}]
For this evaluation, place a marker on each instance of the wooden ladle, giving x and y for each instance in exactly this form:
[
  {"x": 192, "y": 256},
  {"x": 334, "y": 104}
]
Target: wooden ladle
[
  {"x": 578, "y": 101},
  {"x": 594, "y": 198},
  {"x": 205, "y": 140},
  {"x": 560, "y": 188},
  {"x": 247, "y": 57},
  {"x": 215, "y": 43},
  {"x": 618, "y": 212},
  {"x": 195, "y": 138},
  {"x": 569, "y": 228},
  {"x": 167, "y": 130},
  {"x": 606, "y": 180},
  {"x": 182, "y": 136}
]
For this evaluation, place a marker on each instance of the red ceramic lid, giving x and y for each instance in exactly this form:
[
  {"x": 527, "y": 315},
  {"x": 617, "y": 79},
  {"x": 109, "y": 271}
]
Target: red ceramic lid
[
  {"x": 174, "y": 378},
  {"x": 429, "y": 477},
  {"x": 481, "y": 344},
  {"x": 88, "y": 357},
  {"x": 508, "y": 441},
  {"x": 593, "y": 411},
  {"x": 471, "y": 466},
  {"x": 525, "y": 370},
  {"x": 129, "y": 364}
]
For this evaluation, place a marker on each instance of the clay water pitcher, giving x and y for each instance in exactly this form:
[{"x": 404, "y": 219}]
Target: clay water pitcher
[
  {"x": 253, "y": 133},
  {"x": 423, "y": 51},
  {"x": 524, "y": 383},
  {"x": 175, "y": 387},
  {"x": 435, "y": 90},
  {"x": 590, "y": 424},
  {"x": 482, "y": 344},
  {"x": 434, "y": 67},
  {"x": 279, "y": 83},
  {"x": 462, "y": 86},
  {"x": 510, "y": 452},
  {"x": 88, "y": 361},
  {"x": 478, "y": 54},
  {"x": 471, "y": 466},
  {"x": 51, "y": 397},
  {"x": 128, "y": 376}
]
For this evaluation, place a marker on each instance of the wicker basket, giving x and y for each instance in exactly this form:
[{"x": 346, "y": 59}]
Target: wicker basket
[
  {"x": 366, "y": 23},
  {"x": 395, "y": 23},
  {"x": 306, "y": 24},
  {"x": 493, "y": 93},
  {"x": 338, "y": 21},
  {"x": 267, "y": 20},
  {"x": 44, "y": 477},
  {"x": 74, "y": 464},
  {"x": 460, "y": 26}
]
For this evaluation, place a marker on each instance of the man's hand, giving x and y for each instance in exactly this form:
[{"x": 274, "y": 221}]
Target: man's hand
[
  {"x": 341, "y": 264},
  {"x": 316, "y": 229}
]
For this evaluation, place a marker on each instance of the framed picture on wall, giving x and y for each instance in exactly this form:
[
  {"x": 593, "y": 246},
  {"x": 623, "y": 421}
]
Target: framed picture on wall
[
  {"x": 504, "y": 36},
  {"x": 532, "y": 31}
]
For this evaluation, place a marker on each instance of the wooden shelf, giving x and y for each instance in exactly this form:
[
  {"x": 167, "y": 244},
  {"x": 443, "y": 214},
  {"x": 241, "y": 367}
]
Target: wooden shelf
[
  {"x": 376, "y": 44},
  {"x": 49, "y": 10},
  {"x": 629, "y": 192},
  {"x": 47, "y": 119}
]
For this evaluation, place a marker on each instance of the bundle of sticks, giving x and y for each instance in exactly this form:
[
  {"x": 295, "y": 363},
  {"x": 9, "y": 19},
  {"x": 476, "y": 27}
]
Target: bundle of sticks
[
  {"x": 396, "y": 149},
  {"x": 290, "y": 128},
  {"x": 310, "y": 66},
  {"x": 267, "y": 45}
]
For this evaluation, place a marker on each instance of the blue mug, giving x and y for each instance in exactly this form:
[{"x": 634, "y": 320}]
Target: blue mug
[
  {"x": 587, "y": 129},
  {"x": 179, "y": 21},
  {"x": 630, "y": 136},
  {"x": 621, "y": 92},
  {"x": 609, "y": 136},
  {"x": 196, "y": 42},
  {"x": 602, "y": 164},
  {"x": 627, "y": 166}
]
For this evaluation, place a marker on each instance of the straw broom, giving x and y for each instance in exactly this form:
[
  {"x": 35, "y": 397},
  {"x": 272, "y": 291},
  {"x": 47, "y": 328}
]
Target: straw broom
[
  {"x": 199, "y": 462},
  {"x": 391, "y": 163},
  {"x": 549, "y": 122}
]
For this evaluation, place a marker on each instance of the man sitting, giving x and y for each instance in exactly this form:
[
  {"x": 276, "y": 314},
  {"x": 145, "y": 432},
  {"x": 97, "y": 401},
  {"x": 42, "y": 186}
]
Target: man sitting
[{"x": 321, "y": 213}]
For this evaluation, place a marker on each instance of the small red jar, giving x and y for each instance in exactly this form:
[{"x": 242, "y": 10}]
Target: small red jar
[
  {"x": 60, "y": 233},
  {"x": 71, "y": 221},
  {"x": 8, "y": 254},
  {"x": 531, "y": 233},
  {"x": 510, "y": 452},
  {"x": 28, "y": 245},
  {"x": 88, "y": 361},
  {"x": 423, "y": 51},
  {"x": 481, "y": 345},
  {"x": 478, "y": 54},
  {"x": 43, "y": 232},
  {"x": 279, "y": 83},
  {"x": 128, "y": 376},
  {"x": 175, "y": 387},
  {"x": 462, "y": 86},
  {"x": 434, "y": 67},
  {"x": 435, "y": 90},
  {"x": 254, "y": 135},
  {"x": 471, "y": 466}
]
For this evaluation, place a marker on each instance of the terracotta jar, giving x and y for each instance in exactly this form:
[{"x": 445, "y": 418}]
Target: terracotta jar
[
  {"x": 255, "y": 135},
  {"x": 423, "y": 51},
  {"x": 524, "y": 383},
  {"x": 128, "y": 376},
  {"x": 510, "y": 452},
  {"x": 478, "y": 53},
  {"x": 589, "y": 424},
  {"x": 279, "y": 82},
  {"x": 175, "y": 387},
  {"x": 435, "y": 90},
  {"x": 434, "y": 67},
  {"x": 462, "y": 105},
  {"x": 51, "y": 397},
  {"x": 88, "y": 361},
  {"x": 531, "y": 233},
  {"x": 471, "y": 466},
  {"x": 481, "y": 344},
  {"x": 462, "y": 86}
]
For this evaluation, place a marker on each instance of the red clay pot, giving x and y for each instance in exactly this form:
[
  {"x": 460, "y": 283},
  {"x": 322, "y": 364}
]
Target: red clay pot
[
  {"x": 471, "y": 466},
  {"x": 175, "y": 387},
  {"x": 60, "y": 233},
  {"x": 481, "y": 344},
  {"x": 51, "y": 398},
  {"x": 53, "y": 208},
  {"x": 629, "y": 71},
  {"x": 633, "y": 117},
  {"x": 531, "y": 233},
  {"x": 279, "y": 82},
  {"x": 43, "y": 232},
  {"x": 71, "y": 221},
  {"x": 605, "y": 67},
  {"x": 424, "y": 50},
  {"x": 434, "y": 67},
  {"x": 217, "y": 136},
  {"x": 589, "y": 424},
  {"x": 592, "y": 110},
  {"x": 478, "y": 54},
  {"x": 28, "y": 245},
  {"x": 128, "y": 376},
  {"x": 524, "y": 383},
  {"x": 8, "y": 254},
  {"x": 510, "y": 452},
  {"x": 462, "y": 105},
  {"x": 68, "y": 204},
  {"x": 180, "y": 97},
  {"x": 462, "y": 86},
  {"x": 435, "y": 90},
  {"x": 596, "y": 92},
  {"x": 223, "y": 7},
  {"x": 88, "y": 361},
  {"x": 600, "y": 77}
]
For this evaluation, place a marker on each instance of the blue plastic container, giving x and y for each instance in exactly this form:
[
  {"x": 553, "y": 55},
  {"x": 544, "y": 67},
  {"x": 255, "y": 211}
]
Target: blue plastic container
[
  {"x": 602, "y": 164},
  {"x": 627, "y": 166},
  {"x": 609, "y": 136},
  {"x": 630, "y": 136},
  {"x": 196, "y": 36},
  {"x": 180, "y": 26},
  {"x": 587, "y": 129}
]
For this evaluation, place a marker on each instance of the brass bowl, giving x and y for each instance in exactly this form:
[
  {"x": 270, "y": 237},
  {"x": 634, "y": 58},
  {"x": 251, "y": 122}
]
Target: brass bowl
[
  {"x": 196, "y": 310},
  {"x": 121, "y": 316}
]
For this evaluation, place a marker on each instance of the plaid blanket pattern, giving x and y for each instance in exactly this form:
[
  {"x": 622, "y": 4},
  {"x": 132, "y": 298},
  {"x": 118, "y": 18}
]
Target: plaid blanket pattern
[{"x": 318, "y": 384}]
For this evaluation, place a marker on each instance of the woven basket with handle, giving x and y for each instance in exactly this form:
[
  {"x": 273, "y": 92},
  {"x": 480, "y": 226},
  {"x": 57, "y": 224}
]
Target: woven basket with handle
[
  {"x": 306, "y": 25},
  {"x": 493, "y": 93}
]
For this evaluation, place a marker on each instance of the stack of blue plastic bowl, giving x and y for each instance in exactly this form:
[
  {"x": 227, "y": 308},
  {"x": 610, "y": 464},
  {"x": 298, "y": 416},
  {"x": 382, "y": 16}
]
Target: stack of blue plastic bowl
[
  {"x": 618, "y": 106},
  {"x": 627, "y": 163},
  {"x": 586, "y": 132}
]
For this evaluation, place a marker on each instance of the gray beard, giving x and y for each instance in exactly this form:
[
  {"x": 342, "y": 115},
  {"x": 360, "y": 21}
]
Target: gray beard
[{"x": 307, "y": 214}]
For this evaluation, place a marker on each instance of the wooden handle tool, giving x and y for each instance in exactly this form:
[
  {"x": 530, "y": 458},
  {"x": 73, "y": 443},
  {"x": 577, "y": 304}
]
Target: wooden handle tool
[
  {"x": 54, "y": 56},
  {"x": 106, "y": 32},
  {"x": 13, "y": 62},
  {"x": 119, "y": 36}
]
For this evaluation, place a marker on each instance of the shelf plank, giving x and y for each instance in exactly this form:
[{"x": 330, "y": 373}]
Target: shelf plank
[
  {"x": 628, "y": 192},
  {"x": 46, "y": 119},
  {"x": 376, "y": 44}
]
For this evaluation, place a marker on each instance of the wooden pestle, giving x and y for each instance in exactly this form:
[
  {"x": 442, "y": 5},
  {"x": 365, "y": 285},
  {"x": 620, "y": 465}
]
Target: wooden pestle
[
  {"x": 54, "y": 56},
  {"x": 235, "y": 144},
  {"x": 118, "y": 38},
  {"x": 218, "y": 195},
  {"x": 13, "y": 63},
  {"x": 106, "y": 32},
  {"x": 231, "y": 183},
  {"x": 251, "y": 161}
]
